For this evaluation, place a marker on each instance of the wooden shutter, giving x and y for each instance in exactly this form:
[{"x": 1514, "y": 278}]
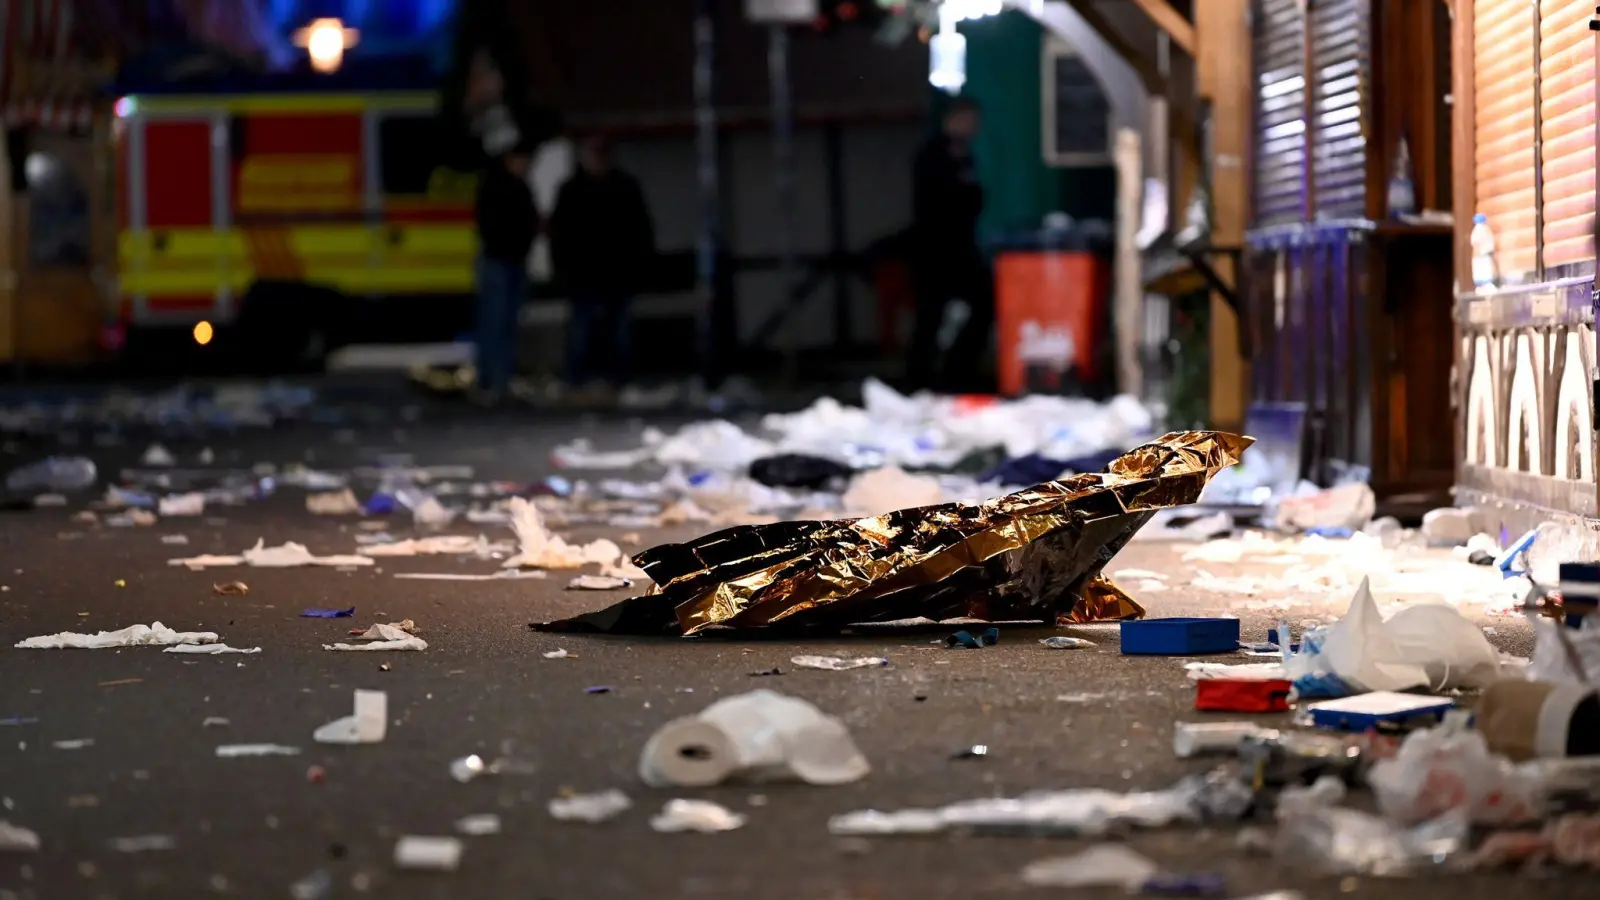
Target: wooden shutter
[
  {"x": 1280, "y": 139},
  {"x": 1503, "y": 151},
  {"x": 1567, "y": 119},
  {"x": 1341, "y": 53}
]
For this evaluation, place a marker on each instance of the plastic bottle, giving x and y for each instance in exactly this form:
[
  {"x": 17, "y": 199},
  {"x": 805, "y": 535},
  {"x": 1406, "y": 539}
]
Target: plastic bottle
[
  {"x": 1485, "y": 268},
  {"x": 56, "y": 473},
  {"x": 1402, "y": 191}
]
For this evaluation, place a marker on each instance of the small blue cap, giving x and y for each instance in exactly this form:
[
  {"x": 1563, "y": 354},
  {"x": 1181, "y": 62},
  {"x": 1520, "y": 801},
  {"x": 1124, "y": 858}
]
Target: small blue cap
[{"x": 1480, "y": 219}]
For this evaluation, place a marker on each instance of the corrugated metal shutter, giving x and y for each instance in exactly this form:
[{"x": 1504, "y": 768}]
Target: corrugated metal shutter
[
  {"x": 1503, "y": 157},
  {"x": 1280, "y": 163},
  {"x": 1340, "y": 60},
  {"x": 1566, "y": 107}
]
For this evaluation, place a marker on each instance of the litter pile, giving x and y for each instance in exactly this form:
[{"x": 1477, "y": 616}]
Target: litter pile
[{"x": 1034, "y": 555}]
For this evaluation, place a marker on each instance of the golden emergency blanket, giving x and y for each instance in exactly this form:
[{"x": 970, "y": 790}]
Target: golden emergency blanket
[{"x": 1034, "y": 555}]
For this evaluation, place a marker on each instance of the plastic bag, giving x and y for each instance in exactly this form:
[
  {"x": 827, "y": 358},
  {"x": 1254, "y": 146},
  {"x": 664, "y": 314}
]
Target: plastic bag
[
  {"x": 1449, "y": 770},
  {"x": 1427, "y": 646},
  {"x": 1346, "y": 842}
]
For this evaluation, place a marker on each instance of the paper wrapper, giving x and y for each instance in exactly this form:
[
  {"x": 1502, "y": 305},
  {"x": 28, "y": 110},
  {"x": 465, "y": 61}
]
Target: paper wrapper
[{"x": 1032, "y": 555}]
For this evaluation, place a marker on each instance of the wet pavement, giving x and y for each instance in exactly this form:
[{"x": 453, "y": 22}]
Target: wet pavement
[{"x": 253, "y": 827}]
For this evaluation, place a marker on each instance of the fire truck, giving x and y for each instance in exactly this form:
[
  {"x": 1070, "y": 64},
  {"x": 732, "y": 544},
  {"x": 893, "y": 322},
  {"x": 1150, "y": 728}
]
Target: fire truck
[{"x": 274, "y": 220}]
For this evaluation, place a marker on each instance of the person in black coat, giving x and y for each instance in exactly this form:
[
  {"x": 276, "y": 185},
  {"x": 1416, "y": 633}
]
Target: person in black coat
[
  {"x": 508, "y": 222},
  {"x": 602, "y": 246},
  {"x": 946, "y": 262}
]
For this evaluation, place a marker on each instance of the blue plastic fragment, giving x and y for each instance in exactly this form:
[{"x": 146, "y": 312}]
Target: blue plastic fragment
[
  {"x": 598, "y": 689},
  {"x": 328, "y": 613},
  {"x": 1180, "y": 636},
  {"x": 962, "y": 639},
  {"x": 1514, "y": 561},
  {"x": 380, "y": 504},
  {"x": 990, "y": 637},
  {"x": 1197, "y": 885}
]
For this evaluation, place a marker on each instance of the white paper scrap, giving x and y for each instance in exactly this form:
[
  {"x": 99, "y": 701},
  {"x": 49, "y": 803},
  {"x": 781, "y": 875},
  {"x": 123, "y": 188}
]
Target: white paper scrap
[
  {"x": 235, "y": 751},
  {"x": 439, "y": 854},
  {"x": 383, "y": 637},
  {"x": 153, "y": 635},
  {"x": 144, "y": 843},
  {"x": 702, "y": 816},
  {"x": 598, "y": 583},
  {"x": 590, "y": 808},
  {"x": 480, "y": 825},
  {"x": 16, "y": 839},
  {"x": 191, "y": 504},
  {"x": 210, "y": 649},
  {"x": 75, "y": 744},
  {"x": 367, "y": 726},
  {"x": 333, "y": 503}
]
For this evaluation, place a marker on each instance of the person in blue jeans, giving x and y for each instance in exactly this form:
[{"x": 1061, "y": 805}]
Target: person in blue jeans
[
  {"x": 507, "y": 223},
  {"x": 602, "y": 245}
]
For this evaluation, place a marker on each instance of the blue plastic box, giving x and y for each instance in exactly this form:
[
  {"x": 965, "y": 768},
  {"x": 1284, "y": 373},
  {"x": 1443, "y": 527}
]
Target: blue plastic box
[
  {"x": 1179, "y": 637},
  {"x": 1365, "y": 712}
]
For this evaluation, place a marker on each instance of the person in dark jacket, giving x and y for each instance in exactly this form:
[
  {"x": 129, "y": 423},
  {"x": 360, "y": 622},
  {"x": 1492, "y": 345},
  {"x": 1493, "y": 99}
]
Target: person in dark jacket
[
  {"x": 602, "y": 246},
  {"x": 946, "y": 262},
  {"x": 507, "y": 222}
]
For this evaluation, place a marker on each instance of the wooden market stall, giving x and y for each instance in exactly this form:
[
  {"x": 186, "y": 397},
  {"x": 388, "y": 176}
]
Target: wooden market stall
[
  {"x": 56, "y": 216},
  {"x": 1349, "y": 306},
  {"x": 1525, "y": 159}
]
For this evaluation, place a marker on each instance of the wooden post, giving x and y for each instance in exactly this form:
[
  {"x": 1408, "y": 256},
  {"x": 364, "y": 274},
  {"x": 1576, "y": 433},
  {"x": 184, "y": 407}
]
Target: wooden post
[
  {"x": 8, "y": 269},
  {"x": 1223, "y": 76},
  {"x": 1128, "y": 297},
  {"x": 1463, "y": 143}
]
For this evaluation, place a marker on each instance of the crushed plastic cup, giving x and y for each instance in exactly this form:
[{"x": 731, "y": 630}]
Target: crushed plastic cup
[{"x": 758, "y": 736}]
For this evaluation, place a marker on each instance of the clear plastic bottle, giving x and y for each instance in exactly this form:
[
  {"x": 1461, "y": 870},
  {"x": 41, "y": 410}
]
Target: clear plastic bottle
[
  {"x": 1485, "y": 268},
  {"x": 1402, "y": 190},
  {"x": 56, "y": 474}
]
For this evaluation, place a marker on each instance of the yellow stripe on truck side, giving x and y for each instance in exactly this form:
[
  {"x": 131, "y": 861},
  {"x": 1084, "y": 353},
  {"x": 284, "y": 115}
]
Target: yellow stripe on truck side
[{"x": 354, "y": 259}]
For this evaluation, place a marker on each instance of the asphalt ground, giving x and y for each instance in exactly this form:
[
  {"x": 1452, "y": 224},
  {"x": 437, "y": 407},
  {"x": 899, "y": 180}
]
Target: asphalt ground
[{"x": 253, "y": 827}]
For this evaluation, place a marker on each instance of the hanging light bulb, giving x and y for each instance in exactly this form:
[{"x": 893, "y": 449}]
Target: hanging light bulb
[{"x": 947, "y": 51}]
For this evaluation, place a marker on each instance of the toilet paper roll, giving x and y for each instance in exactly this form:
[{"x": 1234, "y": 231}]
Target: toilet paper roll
[{"x": 689, "y": 752}]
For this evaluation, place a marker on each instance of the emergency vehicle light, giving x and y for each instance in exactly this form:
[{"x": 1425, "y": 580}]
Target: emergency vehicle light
[
  {"x": 325, "y": 41},
  {"x": 125, "y": 107}
]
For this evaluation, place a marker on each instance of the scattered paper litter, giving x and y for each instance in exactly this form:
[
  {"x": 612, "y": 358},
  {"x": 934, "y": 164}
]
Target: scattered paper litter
[
  {"x": 153, "y": 635},
  {"x": 191, "y": 504},
  {"x": 77, "y": 744},
  {"x": 207, "y": 561},
  {"x": 439, "y": 545},
  {"x": 1103, "y": 865},
  {"x": 144, "y": 843},
  {"x": 174, "y": 539},
  {"x": 16, "y": 839},
  {"x": 333, "y": 503},
  {"x": 558, "y": 653},
  {"x": 210, "y": 649},
  {"x": 593, "y": 809},
  {"x": 215, "y": 722},
  {"x": 284, "y": 556},
  {"x": 480, "y": 825},
  {"x": 235, "y": 751},
  {"x": 291, "y": 554},
  {"x": 438, "y": 854},
  {"x": 503, "y": 575},
  {"x": 839, "y": 664},
  {"x": 539, "y": 548},
  {"x": 1062, "y": 642},
  {"x": 367, "y": 725},
  {"x": 701, "y": 816},
  {"x": 598, "y": 583},
  {"x": 383, "y": 637}
]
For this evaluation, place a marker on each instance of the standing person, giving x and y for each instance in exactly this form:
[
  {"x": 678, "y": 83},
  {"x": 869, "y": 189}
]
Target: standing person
[
  {"x": 507, "y": 224},
  {"x": 602, "y": 244},
  {"x": 946, "y": 263}
]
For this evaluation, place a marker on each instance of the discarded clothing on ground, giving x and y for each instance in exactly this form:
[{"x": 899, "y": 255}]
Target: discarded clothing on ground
[{"x": 1033, "y": 555}]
